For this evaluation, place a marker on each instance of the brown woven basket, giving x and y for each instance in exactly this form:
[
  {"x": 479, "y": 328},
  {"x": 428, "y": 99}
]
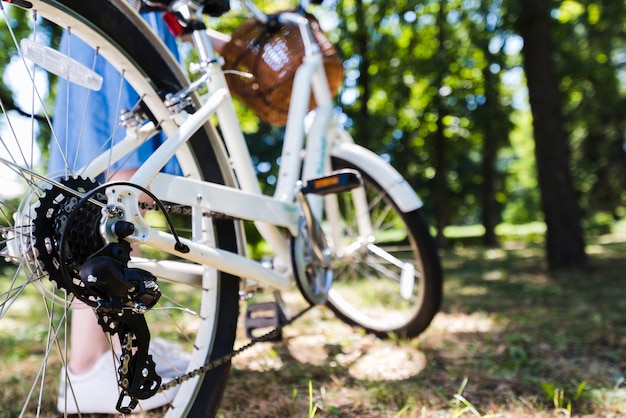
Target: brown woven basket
[{"x": 272, "y": 55}]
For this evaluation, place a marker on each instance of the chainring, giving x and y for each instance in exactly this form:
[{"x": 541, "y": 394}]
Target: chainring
[
  {"x": 313, "y": 275},
  {"x": 82, "y": 237}
]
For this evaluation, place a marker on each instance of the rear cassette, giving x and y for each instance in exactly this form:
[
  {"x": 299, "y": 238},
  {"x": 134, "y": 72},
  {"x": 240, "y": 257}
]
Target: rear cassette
[{"x": 82, "y": 237}]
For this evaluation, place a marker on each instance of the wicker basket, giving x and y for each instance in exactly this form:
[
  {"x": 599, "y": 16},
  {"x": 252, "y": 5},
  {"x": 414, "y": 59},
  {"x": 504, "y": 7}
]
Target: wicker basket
[{"x": 272, "y": 54}]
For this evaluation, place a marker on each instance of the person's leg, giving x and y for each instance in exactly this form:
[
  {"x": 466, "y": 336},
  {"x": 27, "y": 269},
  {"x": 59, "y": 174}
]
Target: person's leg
[{"x": 88, "y": 341}]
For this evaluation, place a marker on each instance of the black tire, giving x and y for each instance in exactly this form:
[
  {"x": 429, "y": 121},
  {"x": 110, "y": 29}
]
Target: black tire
[
  {"x": 122, "y": 37},
  {"x": 367, "y": 287}
]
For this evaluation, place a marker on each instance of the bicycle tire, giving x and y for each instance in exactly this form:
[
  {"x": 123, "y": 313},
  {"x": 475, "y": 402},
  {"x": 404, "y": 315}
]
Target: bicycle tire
[
  {"x": 122, "y": 37},
  {"x": 368, "y": 288}
]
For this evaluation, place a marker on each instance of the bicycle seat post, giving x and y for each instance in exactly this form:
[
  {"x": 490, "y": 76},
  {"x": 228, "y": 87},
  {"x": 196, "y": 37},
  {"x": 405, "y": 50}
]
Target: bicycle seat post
[
  {"x": 205, "y": 49},
  {"x": 187, "y": 22}
]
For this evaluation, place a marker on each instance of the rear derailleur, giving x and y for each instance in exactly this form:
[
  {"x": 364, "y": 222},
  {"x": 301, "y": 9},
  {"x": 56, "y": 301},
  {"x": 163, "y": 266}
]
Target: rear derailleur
[{"x": 123, "y": 295}]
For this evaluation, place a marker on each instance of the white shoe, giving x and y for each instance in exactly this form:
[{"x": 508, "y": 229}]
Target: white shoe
[
  {"x": 97, "y": 391},
  {"x": 170, "y": 359}
]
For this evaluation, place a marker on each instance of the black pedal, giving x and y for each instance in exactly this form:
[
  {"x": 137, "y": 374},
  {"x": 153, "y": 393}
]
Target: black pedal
[
  {"x": 336, "y": 182},
  {"x": 264, "y": 316}
]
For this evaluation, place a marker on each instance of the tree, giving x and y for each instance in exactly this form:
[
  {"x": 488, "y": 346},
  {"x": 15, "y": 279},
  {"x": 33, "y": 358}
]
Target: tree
[
  {"x": 9, "y": 101},
  {"x": 590, "y": 51},
  {"x": 565, "y": 243}
]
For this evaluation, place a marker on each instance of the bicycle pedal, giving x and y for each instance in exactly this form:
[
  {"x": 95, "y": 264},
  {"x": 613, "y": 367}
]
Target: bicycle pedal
[
  {"x": 264, "y": 316},
  {"x": 336, "y": 182}
]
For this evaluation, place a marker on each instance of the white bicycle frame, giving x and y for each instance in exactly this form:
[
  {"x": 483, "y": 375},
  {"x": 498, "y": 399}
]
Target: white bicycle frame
[{"x": 269, "y": 213}]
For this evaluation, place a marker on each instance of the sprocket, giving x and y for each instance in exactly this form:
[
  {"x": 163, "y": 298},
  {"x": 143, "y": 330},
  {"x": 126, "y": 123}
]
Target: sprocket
[{"x": 82, "y": 238}]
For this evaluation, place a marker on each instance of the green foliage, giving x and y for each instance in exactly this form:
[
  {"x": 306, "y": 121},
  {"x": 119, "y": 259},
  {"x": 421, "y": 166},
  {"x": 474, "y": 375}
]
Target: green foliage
[
  {"x": 521, "y": 195},
  {"x": 462, "y": 407},
  {"x": 588, "y": 43},
  {"x": 562, "y": 399},
  {"x": 46, "y": 33},
  {"x": 412, "y": 64},
  {"x": 312, "y": 406},
  {"x": 418, "y": 73},
  {"x": 412, "y": 68}
]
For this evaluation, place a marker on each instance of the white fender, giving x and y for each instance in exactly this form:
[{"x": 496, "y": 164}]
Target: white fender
[{"x": 384, "y": 174}]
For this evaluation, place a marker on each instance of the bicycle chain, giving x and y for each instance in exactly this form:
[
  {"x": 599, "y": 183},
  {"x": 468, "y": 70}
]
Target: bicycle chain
[
  {"x": 184, "y": 210},
  {"x": 228, "y": 357},
  {"x": 211, "y": 365}
]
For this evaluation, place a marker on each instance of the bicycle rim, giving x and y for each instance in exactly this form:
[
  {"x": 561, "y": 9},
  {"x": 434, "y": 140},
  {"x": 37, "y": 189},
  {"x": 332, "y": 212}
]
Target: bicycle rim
[
  {"x": 386, "y": 271},
  {"x": 198, "y": 309}
]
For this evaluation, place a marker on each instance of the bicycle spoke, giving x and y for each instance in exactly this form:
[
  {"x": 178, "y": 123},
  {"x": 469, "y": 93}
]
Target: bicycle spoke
[
  {"x": 380, "y": 280},
  {"x": 15, "y": 289},
  {"x": 51, "y": 343}
]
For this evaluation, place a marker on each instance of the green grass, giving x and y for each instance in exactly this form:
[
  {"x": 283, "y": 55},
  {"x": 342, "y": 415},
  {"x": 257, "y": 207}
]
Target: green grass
[
  {"x": 512, "y": 340},
  {"x": 507, "y": 231}
]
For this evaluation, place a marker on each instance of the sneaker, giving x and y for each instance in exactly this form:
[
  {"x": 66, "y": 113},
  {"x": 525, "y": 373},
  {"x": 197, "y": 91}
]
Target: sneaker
[
  {"x": 170, "y": 359},
  {"x": 97, "y": 391}
]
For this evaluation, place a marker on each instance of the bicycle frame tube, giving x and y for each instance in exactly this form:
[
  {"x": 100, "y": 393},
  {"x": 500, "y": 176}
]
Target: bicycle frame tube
[
  {"x": 310, "y": 77},
  {"x": 134, "y": 139},
  {"x": 317, "y": 161},
  {"x": 222, "y": 260},
  {"x": 227, "y": 200},
  {"x": 163, "y": 154}
]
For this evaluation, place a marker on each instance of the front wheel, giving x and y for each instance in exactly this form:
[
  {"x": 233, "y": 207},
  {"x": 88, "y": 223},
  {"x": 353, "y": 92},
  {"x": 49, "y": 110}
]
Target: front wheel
[{"x": 387, "y": 275}]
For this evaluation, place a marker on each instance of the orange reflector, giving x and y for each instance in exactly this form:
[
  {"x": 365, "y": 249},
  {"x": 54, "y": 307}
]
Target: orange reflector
[{"x": 326, "y": 182}]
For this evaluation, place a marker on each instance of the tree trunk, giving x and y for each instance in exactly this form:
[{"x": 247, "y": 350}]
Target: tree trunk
[
  {"x": 491, "y": 144},
  {"x": 565, "y": 243}
]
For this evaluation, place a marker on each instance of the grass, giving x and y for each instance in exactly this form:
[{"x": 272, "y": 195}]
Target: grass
[{"x": 511, "y": 340}]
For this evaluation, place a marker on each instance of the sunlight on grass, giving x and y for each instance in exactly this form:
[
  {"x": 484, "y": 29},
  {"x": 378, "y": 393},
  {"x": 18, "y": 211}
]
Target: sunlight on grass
[
  {"x": 502, "y": 230},
  {"x": 387, "y": 362},
  {"x": 610, "y": 400},
  {"x": 619, "y": 228},
  {"x": 465, "y": 323}
]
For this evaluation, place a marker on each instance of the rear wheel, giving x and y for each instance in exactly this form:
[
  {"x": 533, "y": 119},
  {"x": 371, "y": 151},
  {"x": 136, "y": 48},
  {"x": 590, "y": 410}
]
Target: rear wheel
[
  {"x": 387, "y": 276},
  {"x": 199, "y": 307}
]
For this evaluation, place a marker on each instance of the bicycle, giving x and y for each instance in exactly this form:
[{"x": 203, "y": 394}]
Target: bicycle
[{"x": 346, "y": 229}]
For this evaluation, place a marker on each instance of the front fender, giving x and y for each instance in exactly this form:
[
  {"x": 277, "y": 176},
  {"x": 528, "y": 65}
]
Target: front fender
[{"x": 384, "y": 174}]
